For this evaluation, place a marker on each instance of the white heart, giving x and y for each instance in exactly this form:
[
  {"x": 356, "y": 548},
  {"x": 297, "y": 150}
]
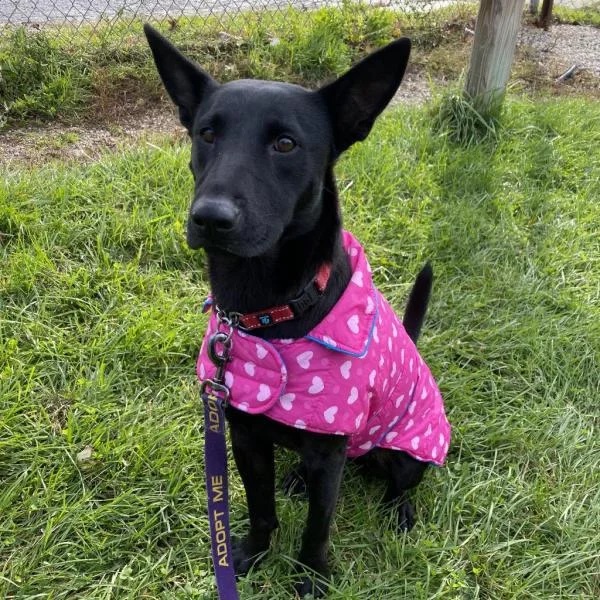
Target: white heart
[
  {"x": 370, "y": 305},
  {"x": 402, "y": 356},
  {"x": 353, "y": 251},
  {"x": 390, "y": 344},
  {"x": 374, "y": 429},
  {"x": 250, "y": 368},
  {"x": 286, "y": 401},
  {"x": 375, "y": 335},
  {"x": 330, "y": 413},
  {"x": 353, "y": 397},
  {"x": 412, "y": 389},
  {"x": 410, "y": 364},
  {"x": 428, "y": 430},
  {"x": 264, "y": 392},
  {"x": 202, "y": 371},
  {"x": 287, "y": 341},
  {"x": 366, "y": 445},
  {"x": 409, "y": 424},
  {"x": 411, "y": 407},
  {"x": 424, "y": 394},
  {"x": 243, "y": 406},
  {"x": 381, "y": 361},
  {"x": 352, "y": 323},
  {"x": 358, "y": 420},
  {"x": 393, "y": 422},
  {"x": 414, "y": 443},
  {"x": 385, "y": 384},
  {"x": 399, "y": 400},
  {"x": 345, "y": 369},
  {"x": 390, "y": 436},
  {"x": 317, "y": 385},
  {"x": 357, "y": 278},
  {"x": 300, "y": 424},
  {"x": 394, "y": 367},
  {"x": 372, "y": 378},
  {"x": 434, "y": 452},
  {"x": 394, "y": 331},
  {"x": 329, "y": 341},
  {"x": 304, "y": 359},
  {"x": 442, "y": 439},
  {"x": 261, "y": 351},
  {"x": 229, "y": 379}
]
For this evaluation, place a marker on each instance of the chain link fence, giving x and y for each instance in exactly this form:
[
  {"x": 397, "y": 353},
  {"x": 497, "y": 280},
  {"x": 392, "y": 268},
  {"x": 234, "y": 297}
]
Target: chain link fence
[{"x": 78, "y": 13}]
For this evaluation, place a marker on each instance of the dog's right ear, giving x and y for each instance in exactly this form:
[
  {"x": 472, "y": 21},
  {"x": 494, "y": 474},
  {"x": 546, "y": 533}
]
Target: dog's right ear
[{"x": 185, "y": 82}]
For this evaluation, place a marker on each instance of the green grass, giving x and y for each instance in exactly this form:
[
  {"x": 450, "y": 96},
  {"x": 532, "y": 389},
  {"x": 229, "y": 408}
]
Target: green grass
[
  {"x": 100, "y": 323},
  {"x": 66, "y": 73},
  {"x": 587, "y": 15}
]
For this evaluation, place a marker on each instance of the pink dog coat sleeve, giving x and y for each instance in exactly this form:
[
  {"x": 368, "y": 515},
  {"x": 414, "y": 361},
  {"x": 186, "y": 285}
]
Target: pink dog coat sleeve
[{"x": 357, "y": 373}]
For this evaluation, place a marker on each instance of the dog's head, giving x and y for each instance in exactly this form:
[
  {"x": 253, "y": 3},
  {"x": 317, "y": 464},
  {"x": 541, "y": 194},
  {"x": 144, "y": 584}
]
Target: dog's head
[{"x": 261, "y": 149}]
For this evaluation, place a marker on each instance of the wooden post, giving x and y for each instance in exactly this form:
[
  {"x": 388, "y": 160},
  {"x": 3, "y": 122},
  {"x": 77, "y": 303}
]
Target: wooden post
[
  {"x": 546, "y": 14},
  {"x": 494, "y": 45}
]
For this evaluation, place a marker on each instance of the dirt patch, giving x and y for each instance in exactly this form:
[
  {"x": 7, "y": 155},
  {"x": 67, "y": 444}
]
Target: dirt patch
[
  {"x": 36, "y": 144},
  {"x": 542, "y": 56}
]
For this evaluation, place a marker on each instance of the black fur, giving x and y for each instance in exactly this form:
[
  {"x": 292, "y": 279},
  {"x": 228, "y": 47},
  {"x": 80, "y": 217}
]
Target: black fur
[{"x": 267, "y": 219}]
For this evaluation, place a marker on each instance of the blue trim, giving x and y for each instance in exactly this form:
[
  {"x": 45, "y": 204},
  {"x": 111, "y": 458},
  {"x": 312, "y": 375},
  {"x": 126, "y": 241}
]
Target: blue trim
[{"x": 364, "y": 351}]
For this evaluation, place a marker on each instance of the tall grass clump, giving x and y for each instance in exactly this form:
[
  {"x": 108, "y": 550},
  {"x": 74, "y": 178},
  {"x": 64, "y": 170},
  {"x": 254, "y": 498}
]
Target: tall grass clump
[
  {"x": 39, "y": 78},
  {"x": 456, "y": 117}
]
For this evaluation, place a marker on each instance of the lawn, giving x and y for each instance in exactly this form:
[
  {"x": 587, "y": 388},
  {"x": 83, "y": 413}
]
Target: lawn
[{"x": 101, "y": 462}]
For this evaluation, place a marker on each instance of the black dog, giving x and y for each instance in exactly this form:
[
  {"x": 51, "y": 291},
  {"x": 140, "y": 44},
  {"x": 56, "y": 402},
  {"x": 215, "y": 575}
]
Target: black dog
[{"x": 266, "y": 211}]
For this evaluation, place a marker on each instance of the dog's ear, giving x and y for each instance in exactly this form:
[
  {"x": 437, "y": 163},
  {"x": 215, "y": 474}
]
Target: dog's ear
[
  {"x": 357, "y": 98},
  {"x": 185, "y": 82}
]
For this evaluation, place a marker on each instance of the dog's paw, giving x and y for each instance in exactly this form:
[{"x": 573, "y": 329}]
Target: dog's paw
[
  {"x": 405, "y": 515},
  {"x": 244, "y": 556},
  {"x": 294, "y": 483}
]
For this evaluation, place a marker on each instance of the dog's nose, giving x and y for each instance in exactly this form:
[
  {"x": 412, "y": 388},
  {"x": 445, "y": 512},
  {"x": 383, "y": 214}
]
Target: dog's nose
[{"x": 217, "y": 215}]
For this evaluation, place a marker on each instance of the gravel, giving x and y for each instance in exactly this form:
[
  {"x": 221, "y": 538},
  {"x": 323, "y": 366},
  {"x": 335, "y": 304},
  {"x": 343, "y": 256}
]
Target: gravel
[{"x": 566, "y": 45}]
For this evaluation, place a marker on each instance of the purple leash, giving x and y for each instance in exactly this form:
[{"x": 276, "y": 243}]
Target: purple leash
[{"x": 215, "y": 394}]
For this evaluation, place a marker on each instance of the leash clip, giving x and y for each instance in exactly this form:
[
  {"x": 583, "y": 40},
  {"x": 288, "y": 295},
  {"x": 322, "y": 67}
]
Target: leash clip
[{"x": 219, "y": 353}]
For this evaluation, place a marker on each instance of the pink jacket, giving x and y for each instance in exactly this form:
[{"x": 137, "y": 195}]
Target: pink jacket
[{"x": 357, "y": 373}]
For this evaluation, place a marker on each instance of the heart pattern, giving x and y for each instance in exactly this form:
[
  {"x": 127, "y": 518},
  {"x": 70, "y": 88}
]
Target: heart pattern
[
  {"x": 264, "y": 393},
  {"x": 353, "y": 397},
  {"x": 330, "y": 413},
  {"x": 345, "y": 369},
  {"x": 304, "y": 359},
  {"x": 316, "y": 386},
  {"x": 261, "y": 351},
  {"x": 357, "y": 278},
  {"x": 352, "y": 323},
  {"x": 286, "y": 401}
]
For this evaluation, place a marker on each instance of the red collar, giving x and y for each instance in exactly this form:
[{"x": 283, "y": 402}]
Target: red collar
[{"x": 294, "y": 308}]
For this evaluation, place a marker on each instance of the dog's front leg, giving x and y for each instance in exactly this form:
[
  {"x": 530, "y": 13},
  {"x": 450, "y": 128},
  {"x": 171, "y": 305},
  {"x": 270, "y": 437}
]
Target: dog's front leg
[
  {"x": 255, "y": 463},
  {"x": 324, "y": 462}
]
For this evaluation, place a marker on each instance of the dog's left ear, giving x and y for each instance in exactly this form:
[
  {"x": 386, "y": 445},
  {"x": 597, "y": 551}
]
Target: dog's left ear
[
  {"x": 183, "y": 79},
  {"x": 357, "y": 98}
]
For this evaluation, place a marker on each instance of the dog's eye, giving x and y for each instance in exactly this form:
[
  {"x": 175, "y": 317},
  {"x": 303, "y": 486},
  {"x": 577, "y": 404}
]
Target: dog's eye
[
  {"x": 284, "y": 144},
  {"x": 208, "y": 135}
]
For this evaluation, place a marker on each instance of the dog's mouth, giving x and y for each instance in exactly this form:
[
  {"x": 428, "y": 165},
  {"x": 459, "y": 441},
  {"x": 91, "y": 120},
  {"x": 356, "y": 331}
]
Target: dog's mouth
[{"x": 259, "y": 244}]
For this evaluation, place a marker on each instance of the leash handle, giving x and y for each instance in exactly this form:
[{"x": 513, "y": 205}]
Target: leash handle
[{"x": 217, "y": 492}]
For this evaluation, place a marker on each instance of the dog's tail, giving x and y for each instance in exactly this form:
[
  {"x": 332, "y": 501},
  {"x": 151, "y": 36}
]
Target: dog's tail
[{"x": 418, "y": 299}]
